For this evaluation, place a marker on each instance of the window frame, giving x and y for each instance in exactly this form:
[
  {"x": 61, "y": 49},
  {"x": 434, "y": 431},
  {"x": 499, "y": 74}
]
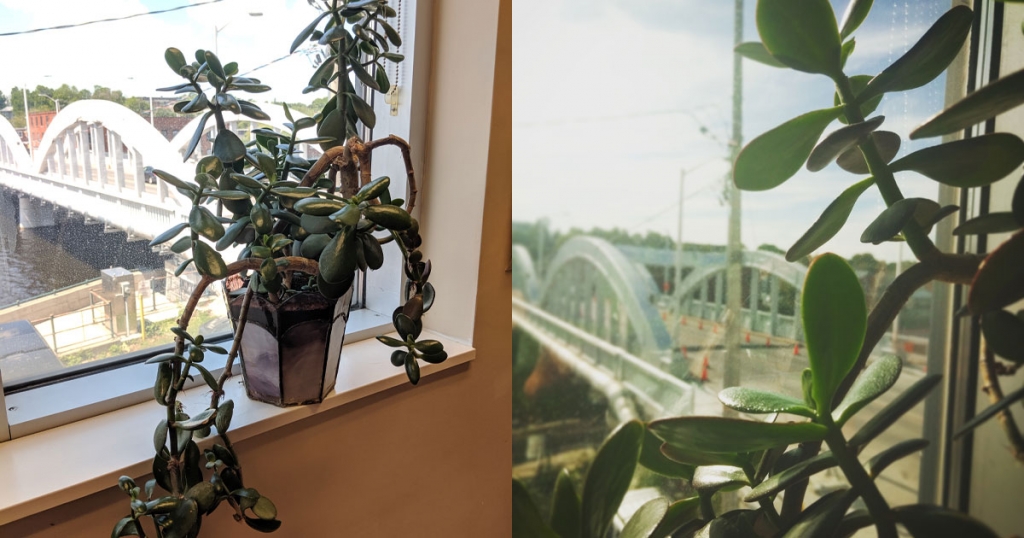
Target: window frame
[{"x": 85, "y": 389}]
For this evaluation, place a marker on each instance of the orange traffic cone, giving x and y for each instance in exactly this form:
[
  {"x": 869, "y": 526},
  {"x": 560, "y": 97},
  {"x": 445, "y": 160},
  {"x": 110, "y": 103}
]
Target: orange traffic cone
[
  {"x": 796, "y": 349},
  {"x": 704, "y": 370},
  {"x": 748, "y": 337},
  {"x": 714, "y": 329},
  {"x": 701, "y": 325},
  {"x": 683, "y": 350},
  {"x": 682, "y": 320},
  {"x": 768, "y": 341}
]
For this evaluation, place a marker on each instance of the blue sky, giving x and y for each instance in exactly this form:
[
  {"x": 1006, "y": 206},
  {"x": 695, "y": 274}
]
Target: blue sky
[
  {"x": 610, "y": 98},
  {"x": 128, "y": 55}
]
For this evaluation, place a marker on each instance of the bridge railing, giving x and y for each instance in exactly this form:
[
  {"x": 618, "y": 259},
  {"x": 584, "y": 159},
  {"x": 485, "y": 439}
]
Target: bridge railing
[
  {"x": 141, "y": 217},
  {"x": 658, "y": 391}
]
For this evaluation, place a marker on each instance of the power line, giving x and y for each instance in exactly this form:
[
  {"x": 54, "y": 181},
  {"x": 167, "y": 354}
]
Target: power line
[{"x": 66, "y": 26}]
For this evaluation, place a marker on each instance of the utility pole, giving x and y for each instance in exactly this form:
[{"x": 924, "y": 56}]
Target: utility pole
[
  {"x": 152, "y": 120},
  {"x": 677, "y": 300},
  {"x": 28, "y": 124},
  {"x": 734, "y": 253}
]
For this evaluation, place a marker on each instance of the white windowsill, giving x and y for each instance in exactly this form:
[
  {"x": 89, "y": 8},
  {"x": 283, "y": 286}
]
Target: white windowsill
[
  {"x": 51, "y": 406},
  {"x": 58, "y": 465}
]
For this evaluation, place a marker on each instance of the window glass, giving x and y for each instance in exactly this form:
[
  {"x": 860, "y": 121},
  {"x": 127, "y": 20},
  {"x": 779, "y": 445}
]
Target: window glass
[
  {"x": 77, "y": 289},
  {"x": 622, "y": 206}
]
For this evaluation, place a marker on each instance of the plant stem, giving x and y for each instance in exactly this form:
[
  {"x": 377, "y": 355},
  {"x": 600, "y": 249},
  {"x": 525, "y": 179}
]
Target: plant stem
[
  {"x": 243, "y": 317},
  {"x": 917, "y": 239},
  {"x": 707, "y": 511},
  {"x": 860, "y": 481},
  {"x": 991, "y": 386}
]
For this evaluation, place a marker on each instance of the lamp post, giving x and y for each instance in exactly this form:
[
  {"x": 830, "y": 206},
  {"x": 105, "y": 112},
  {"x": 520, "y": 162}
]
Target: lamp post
[
  {"x": 56, "y": 102},
  {"x": 216, "y": 32},
  {"x": 28, "y": 124}
]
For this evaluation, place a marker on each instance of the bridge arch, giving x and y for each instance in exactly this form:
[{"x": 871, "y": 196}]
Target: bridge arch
[
  {"x": 591, "y": 283},
  {"x": 524, "y": 274},
  {"x": 13, "y": 151},
  {"x": 693, "y": 292}
]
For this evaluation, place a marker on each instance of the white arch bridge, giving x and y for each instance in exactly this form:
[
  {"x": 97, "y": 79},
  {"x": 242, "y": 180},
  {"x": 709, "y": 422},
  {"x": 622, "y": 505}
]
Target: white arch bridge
[
  {"x": 92, "y": 160},
  {"x": 599, "y": 312}
]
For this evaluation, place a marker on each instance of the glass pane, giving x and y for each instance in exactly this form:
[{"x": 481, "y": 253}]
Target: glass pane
[
  {"x": 79, "y": 284},
  {"x": 622, "y": 212}
]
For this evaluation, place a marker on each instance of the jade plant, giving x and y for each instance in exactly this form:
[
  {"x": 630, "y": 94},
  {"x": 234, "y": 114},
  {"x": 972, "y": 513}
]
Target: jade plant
[
  {"x": 300, "y": 226},
  {"x": 804, "y": 35},
  {"x": 718, "y": 454}
]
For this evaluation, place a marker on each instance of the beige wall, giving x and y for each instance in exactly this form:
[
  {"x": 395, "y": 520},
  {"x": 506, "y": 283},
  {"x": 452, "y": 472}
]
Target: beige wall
[{"x": 427, "y": 461}]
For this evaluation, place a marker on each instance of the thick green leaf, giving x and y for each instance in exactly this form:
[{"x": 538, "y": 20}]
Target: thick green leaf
[
  {"x": 1017, "y": 204},
  {"x": 364, "y": 76},
  {"x": 207, "y": 376},
  {"x": 839, "y": 141},
  {"x": 1004, "y": 334},
  {"x": 754, "y": 50},
  {"x": 750, "y": 400},
  {"x": 894, "y": 410},
  {"x": 171, "y": 233},
  {"x": 208, "y": 261},
  {"x": 856, "y": 12},
  {"x": 203, "y": 494},
  {"x": 929, "y": 57},
  {"x": 854, "y": 521},
  {"x": 182, "y": 519},
  {"x": 338, "y": 259},
  {"x": 318, "y": 207},
  {"x": 992, "y": 223},
  {"x": 175, "y": 59},
  {"x": 847, "y": 51},
  {"x": 821, "y": 519},
  {"x": 228, "y": 147},
  {"x": 646, "y": 519},
  {"x": 696, "y": 458},
  {"x": 388, "y": 216},
  {"x": 928, "y": 215},
  {"x": 197, "y": 135},
  {"x": 775, "y": 156},
  {"x": 198, "y": 421},
  {"x": 807, "y": 387},
  {"x": 801, "y": 34},
  {"x": 709, "y": 479},
  {"x": 734, "y": 524},
  {"x": 973, "y": 162},
  {"x": 1000, "y": 96},
  {"x": 883, "y": 459},
  {"x": 782, "y": 480},
  {"x": 991, "y": 411},
  {"x": 678, "y": 514},
  {"x": 363, "y": 111},
  {"x": 852, "y": 160},
  {"x": 830, "y": 221},
  {"x": 609, "y": 477},
  {"x": 835, "y": 320},
  {"x": 565, "y": 507},
  {"x": 306, "y": 32},
  {"x": 724, "y": 435},
  {"x": 1000, "y": 281},
  {"x": 204, "y": 223},
  {"x": 224, "y": 414},
  {"x": 925, "y": 521},
  {"x": 175, "y": 182},
  {"x": 895, "y": 217},
  {"x": 653, "y": 459},
  {"x": 867, "y": 105},
  {"x": 160, "y": 436},
  {"x": 313, "y": 245},
  {"x": 878, "y": 377},
  {"x": 264, "y": 509},
  {"x": 125, "y": 527}
]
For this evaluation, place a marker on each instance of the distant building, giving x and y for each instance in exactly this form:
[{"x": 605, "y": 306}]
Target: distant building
[
  {"x": 39, "y": 121},
  {"x": 170, "y": 125},
  {"x": 7, "y": 112}
]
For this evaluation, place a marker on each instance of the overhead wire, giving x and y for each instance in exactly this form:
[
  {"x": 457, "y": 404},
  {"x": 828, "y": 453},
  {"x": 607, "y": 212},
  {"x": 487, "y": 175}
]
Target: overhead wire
[{"x": 112, "y": 19}]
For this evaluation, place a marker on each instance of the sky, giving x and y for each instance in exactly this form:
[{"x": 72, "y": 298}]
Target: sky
[
  {"x": 128, "y": 55},
  {"x": 613, "y": 101}
]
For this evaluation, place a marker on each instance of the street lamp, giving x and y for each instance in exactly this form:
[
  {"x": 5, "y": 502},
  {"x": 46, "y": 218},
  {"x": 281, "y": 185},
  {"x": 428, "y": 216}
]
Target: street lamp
[
  {"x": 216, "y": 32},
  {"x": 55, "y": 101}
]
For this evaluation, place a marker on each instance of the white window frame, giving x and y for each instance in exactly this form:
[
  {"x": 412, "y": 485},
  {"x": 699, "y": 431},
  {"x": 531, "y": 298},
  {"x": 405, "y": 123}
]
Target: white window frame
[{"x": 70, "y": 400}]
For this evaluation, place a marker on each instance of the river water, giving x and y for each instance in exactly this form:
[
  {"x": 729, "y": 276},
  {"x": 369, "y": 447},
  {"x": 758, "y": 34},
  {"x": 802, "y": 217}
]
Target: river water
[{"x": 40, "y": 260}]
